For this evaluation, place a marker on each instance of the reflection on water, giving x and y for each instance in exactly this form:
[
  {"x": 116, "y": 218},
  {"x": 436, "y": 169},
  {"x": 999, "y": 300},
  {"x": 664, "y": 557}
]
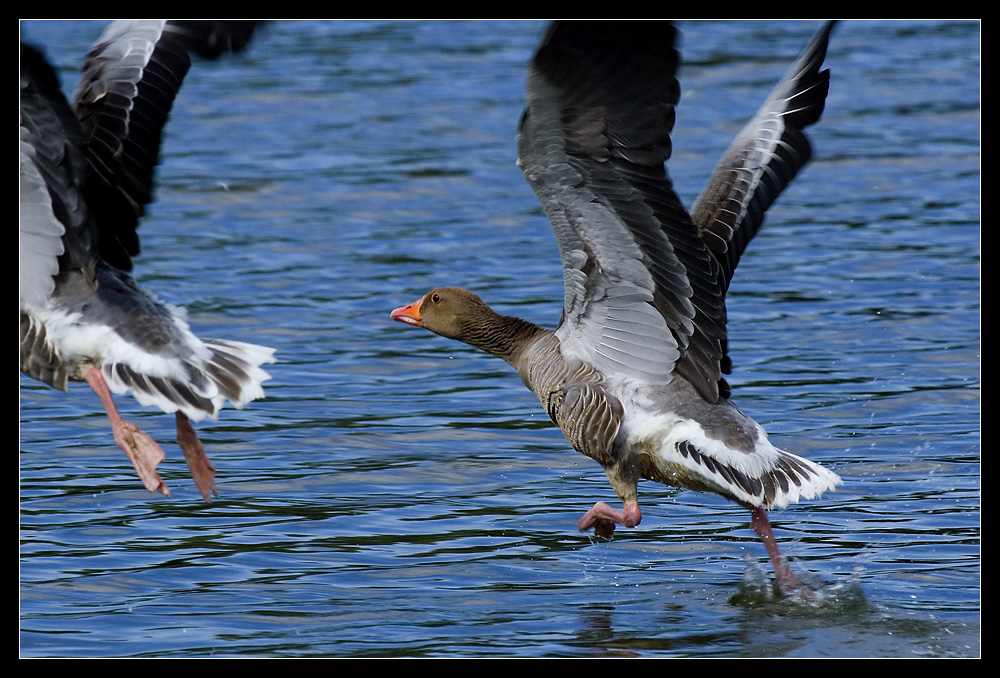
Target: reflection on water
[{"x": 401, "y": 495}]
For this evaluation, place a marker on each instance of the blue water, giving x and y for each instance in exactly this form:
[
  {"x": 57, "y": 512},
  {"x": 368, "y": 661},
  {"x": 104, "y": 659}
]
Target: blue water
[{"x": 398, "y": 494}]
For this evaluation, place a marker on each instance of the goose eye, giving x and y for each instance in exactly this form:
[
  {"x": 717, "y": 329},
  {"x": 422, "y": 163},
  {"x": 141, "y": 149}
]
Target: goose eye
[{"x": 435, "y": 298}]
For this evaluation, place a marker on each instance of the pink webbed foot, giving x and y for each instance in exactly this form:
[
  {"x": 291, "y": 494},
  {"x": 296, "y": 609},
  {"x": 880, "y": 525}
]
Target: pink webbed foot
[
  {"x": 603, "y": 518},
  {"x": 194, "y": 453},
  {"x": 144, "y": 453},
  {"x": 142, "y": 450}
]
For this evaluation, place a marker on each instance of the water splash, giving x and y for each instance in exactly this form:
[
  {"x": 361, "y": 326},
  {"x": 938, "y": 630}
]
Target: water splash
[{"x": 759, "y": 589}]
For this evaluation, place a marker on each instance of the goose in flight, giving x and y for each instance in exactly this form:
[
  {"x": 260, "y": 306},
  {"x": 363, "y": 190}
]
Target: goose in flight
[
  {"x": 86, "y": 175},
  {"x": 633, "y": 373}
]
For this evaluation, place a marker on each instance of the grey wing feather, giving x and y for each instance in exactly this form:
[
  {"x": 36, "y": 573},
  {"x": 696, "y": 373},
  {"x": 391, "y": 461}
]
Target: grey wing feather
[
  {"x": 54, "y": 226},
  {"x": 123, "y": 99},
  {"x": 40, "y": 232},
  {"x": 86, "y": 175},
  {"x": 641, "y": 297}
]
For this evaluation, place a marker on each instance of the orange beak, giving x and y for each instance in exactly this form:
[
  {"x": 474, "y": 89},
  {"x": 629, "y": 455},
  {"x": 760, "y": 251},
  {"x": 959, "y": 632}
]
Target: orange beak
[{"x": 409, "y": 314}]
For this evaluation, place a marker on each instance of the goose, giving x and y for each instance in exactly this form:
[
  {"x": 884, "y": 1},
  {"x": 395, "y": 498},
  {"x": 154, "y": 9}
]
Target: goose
[
  {"x": 86, "y": 174},
  {"x": 633, "y": 373}
]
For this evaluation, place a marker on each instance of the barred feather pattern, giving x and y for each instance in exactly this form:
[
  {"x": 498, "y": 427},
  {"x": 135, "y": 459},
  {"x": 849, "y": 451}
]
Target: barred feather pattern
[
  {"x": 789, "y": 479},
  {"x": 231, "y": 372}
]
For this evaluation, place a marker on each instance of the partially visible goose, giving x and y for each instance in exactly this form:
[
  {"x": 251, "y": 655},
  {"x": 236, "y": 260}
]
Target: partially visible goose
[
  {"x": 633, "y": 373},
  {"x": 86, "y": 174}
]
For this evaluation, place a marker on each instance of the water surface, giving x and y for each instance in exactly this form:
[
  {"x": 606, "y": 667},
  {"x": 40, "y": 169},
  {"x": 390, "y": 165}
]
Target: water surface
[{"x": 398, "y": 494}]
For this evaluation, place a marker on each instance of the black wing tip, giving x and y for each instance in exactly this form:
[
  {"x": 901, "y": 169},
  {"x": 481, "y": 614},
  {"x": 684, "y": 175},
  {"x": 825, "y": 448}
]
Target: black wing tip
[
  {"x": 36, "y": 71},
  {"x": 212, "y": 39},
  {"x": 594, "y": 40},
  {"x": 611, "y": 32}
]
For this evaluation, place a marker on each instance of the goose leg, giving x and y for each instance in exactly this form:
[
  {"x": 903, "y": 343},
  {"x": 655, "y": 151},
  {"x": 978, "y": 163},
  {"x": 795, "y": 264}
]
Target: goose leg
[
  {"x": 786, "y": 580},
  {"x": 603, "y": 518},
  {"x": 142, "y": 450},
  {"x": 194, "y": 452}
]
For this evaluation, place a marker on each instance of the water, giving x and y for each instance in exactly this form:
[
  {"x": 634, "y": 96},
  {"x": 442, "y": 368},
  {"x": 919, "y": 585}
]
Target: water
[{"x": 398, "y": 494}]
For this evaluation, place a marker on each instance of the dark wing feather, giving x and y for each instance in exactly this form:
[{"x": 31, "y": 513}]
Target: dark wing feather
[
  {"x": 125, "y": 94},
  {"x": 763, "y": 159}
]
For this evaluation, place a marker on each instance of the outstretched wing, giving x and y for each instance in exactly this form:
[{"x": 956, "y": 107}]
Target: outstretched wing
[
  {"x": 123, "y": 99},
  {"x": 641, "y": 291},
  {"x": 763, "y": 159}
]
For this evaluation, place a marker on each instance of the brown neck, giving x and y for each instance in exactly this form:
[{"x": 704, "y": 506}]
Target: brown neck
[{"x": 503, "y": 336}]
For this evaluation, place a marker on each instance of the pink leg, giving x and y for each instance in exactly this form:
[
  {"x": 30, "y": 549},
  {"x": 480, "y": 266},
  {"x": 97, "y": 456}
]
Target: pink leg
[
  {"x": 603, "y": 518},
  {"x": 787, "y": 581},
  {"x": 142, "y": 450},
  {"x": 194, "y": 452}
]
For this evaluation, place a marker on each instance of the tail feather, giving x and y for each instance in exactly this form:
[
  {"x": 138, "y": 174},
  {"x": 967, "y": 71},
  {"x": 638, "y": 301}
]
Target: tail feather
[
  {"x": 231, "y": 372},
  {"x": 235, "y": 368},
  {"x": 767, "y": 478}
]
